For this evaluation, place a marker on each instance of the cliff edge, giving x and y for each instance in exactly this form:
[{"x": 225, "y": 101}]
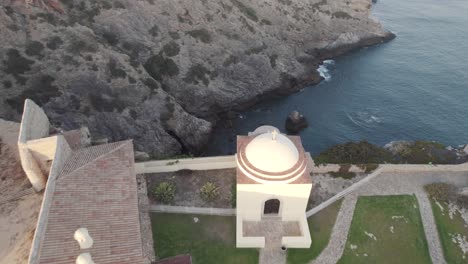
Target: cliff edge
[{"x": 159, "y": 71}]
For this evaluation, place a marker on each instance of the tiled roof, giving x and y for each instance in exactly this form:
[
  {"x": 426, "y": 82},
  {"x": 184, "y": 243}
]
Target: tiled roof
[{"x": 96, "y": 190}]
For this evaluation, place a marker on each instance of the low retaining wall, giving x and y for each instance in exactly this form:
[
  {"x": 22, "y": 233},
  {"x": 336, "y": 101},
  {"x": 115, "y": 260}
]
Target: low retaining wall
[
  {"x": 334, "y": 168},
  {"x": 207, "y": 163},
  {"x": 192, "y": 210}
]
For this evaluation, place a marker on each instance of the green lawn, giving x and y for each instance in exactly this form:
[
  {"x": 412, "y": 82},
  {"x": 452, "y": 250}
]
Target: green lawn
[
  {"x": 211, "y": 240},
  {"x": 320, "y": 227},
  {"x": 371, "y": 240},
  {"x": 448, "y": 230}
]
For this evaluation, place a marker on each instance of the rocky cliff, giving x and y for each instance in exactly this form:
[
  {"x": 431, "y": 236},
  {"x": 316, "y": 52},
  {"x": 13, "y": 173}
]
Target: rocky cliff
[{"x": 159, "y": 71}]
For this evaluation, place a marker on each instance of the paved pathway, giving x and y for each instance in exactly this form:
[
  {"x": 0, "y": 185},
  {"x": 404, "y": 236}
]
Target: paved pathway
[
  {"x": 388, "y": 183},
  {"x": 273, "y": 230},
  {"x": 332, "y": 253}
]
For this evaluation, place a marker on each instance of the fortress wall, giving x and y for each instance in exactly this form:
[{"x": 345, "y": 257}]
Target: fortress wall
[
  {"x": 34, "y": 125},
  {"x": 61, "y": 155}
]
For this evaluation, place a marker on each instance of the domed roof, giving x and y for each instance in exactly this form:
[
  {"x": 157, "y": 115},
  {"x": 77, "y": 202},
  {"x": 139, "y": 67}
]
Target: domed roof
[{"x": 272, "y": 152}]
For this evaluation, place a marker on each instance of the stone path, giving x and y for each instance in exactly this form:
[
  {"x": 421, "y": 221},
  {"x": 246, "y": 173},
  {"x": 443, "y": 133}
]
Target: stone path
[
  {"x": 332, "y": 253},
  {"x": 388, "y": 183},
  {"x": 272, "y": 252}
]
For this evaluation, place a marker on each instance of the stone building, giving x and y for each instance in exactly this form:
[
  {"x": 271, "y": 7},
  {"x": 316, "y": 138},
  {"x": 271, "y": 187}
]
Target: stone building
[
  {"x": 91, "y": 211},
  {"x": 273, "y": 188}
]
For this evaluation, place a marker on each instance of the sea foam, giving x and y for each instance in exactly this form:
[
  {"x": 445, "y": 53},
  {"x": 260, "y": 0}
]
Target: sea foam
[{"x": 324, "y": 69}]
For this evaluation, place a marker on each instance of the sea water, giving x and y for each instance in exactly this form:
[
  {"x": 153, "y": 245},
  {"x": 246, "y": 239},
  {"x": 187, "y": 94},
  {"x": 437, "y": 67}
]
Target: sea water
[{"x": 414, "y": 87}]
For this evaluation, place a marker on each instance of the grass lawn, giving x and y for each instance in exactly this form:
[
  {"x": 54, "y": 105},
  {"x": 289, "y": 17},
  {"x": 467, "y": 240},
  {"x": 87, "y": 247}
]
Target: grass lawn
[
  {"x": 320, "y": 227},
  {"x": 386, "y": 229},
  {"x": 449, "y": 229},
  {"x": 211, "y": 240}
]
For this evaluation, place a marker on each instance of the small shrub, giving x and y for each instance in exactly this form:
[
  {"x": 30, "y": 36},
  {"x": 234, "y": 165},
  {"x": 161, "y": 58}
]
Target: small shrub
[
  {"x": 369, "y": 167},
  {"x": 171, "y": 49},
  {"x": 7, "y": 84},
  {"x": 342, "y": 15},
  {"x": 230, "y": 60},
  {"x": 246, "y": 24},
  {"x": 344, "y": 167},
  {"x": 158, "y": 66},
  {"x": 41, "y": 91},
  {"x": 249, "y": 12},
  {"x": 54, "y": 42},
  {"x": 154, "y": 31},
  {"x": 115, "y": 71},
  {"x": 34, "y": 48},
  {"x": 15, "y": 63},
  {"x": 151, "y": 83},
  {"x": 256, "y": 50},
  {"x": 118, "y": 5},
  {"x": 174, "y": 35},
  {"x": 424, "y": 152},
  {"x": 354, "y": 153},
  {"x": 265, "y": 22},
  {"x": 201, "y": 34},
  {"x": 164, "y": 192},
  {"x": 209, "y": 192},
  {"x": 196, "y": 74},
  {"x": 273, "y": 59},
  {"x": 110, "y": 37}
]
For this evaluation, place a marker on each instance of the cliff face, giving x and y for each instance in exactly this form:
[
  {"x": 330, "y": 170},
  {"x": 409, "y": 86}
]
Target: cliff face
[{"x": 157, "y": 70}]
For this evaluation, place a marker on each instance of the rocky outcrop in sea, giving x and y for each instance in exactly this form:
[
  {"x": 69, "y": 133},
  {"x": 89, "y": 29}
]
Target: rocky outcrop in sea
[{"x": 160, "y": 71}]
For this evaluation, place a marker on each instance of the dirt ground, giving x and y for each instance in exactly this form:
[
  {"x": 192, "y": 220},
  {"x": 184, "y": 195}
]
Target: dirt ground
[
  {"x": 17, "y": 217},
  {"x": 188, "y": 184}
]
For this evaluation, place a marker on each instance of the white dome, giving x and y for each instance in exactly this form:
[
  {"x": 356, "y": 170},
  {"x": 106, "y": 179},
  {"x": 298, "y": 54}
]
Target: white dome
[
  {"x": 84, "y": 239},
  {"x": 84, "y": 258},
  {"x": 272, "y": 152}
]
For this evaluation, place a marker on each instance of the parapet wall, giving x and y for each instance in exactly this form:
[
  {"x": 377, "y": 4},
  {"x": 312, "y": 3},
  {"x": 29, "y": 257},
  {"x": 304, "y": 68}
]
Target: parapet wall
[
  {"x": 208, "y": 163},
  {"x": 61, "y": 155}
]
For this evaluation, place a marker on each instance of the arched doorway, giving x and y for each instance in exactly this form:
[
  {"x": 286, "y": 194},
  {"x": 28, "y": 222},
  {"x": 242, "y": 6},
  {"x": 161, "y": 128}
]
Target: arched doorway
[{"x": 271, "y": 207}]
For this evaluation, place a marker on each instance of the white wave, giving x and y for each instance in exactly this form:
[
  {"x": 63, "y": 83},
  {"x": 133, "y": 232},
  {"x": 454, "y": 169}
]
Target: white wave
[
  {"x": 365, "y": 118},
  {"x": 329, "y": 62},
  {"x": 324, "y": 69}
]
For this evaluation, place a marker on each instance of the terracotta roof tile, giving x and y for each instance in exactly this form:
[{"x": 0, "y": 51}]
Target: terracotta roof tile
[{"x": 96, "y": 190}]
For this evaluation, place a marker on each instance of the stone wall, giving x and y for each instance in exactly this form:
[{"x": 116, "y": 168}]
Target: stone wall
[
  {"x": 208, "y": 163},
  {"x": 34, "y": 125},
  {"x": 61, "y": 155},
  {"x": 145, "y": 220}
]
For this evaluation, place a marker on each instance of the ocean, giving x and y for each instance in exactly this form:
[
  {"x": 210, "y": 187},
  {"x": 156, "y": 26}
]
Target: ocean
[{"x": 412, "y": 88}]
